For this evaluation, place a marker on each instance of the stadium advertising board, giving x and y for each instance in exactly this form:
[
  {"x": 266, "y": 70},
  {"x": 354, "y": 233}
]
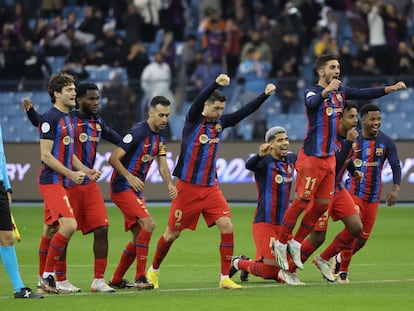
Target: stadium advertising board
[{"x": 236, "y": 182}]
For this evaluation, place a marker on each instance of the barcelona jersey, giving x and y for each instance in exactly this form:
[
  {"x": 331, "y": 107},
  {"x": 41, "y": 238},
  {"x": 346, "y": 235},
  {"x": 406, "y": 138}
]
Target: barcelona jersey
[
  {"x": 141, "y": 146},
  {"x": 57, "y": 126},
  {"x": 369, "y": 157},
  {"x": 273, "y": 182}
]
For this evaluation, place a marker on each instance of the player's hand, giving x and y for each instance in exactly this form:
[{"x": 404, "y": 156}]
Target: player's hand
[
  {"x": 352, "y": 134},
  {"x": 26, "y": 104},
  {"x": 400, "y": 86},
  {"x": 136, "y": 183},
  {"x": 391, "y": 198},
  {"x": 270, "y": 88},
  {"x": 264, "y": 149},
  {"x": 172, "y": 191},
  {"x": 94, "y": 174},
  {"x": 223, "y": 80},
  {"x": 78, "y": 177},
  {"x": 358, "y": 176},
  {"x": 333, "y": 85}
]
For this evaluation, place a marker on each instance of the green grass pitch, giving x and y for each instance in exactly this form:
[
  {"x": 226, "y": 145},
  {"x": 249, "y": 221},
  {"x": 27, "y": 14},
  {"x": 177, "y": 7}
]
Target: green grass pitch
[{"x": 382, "y": 273}]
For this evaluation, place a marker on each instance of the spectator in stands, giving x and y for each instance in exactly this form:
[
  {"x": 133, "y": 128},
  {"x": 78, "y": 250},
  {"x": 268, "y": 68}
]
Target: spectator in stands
[
  {"x": 149, "y": 11},
  {"x": 51, "y": 8},
  {"x": 10, "y": 70},
  {"x": 132, "y": 21},
  {"x": 404, "y": 59},
  {"x": 206, "y": 72},
  {"x": 174, "y": 16},
  {"x": 310, "y": 10},
  {"x": 232, "y": 46},
  {"x": 256, "y": 42},
  {"x": 215, "y": 37},
  {"x": 167, "y": 50},
  {"x": 156, "y": 79},
  {"x": 120, "y": 103},
  {"x": 35, "y": 68},
  {"x": 93, "y": 21}
]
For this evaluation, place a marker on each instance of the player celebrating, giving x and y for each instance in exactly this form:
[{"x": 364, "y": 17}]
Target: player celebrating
[
  {"x": 342, "y": 205},
  {"x": 372, "y": 148},
  {"x": 316, "y": 160},
  {"x": 86, "y": 199},
  {"x": 131, "y": 161},
  {"x": 273, "y": 169},
  {"x": 57, "y": 155},
  {"x": 197, "y": 183}
]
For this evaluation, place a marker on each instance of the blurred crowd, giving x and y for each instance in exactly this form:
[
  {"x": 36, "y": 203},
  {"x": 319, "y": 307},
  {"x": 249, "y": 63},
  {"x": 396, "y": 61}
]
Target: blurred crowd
[{"x": 176, "y": 47}]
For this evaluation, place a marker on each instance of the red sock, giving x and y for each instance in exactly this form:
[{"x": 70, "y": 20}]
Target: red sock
[
  {"x": 60, "y": 270},
  {"x": 258, "y": 268},
  {"x": 56, "y": 248},
  {"x": 306, "y": 250},
  {"x": 226, "y": 252},
  {"x": 290, "y": 219},
  {"x": 100, "y": 267},
  {"x": 346, "y": 257},
  {"x": 142, "y": 246},
  {"x": 309, "y": 220},
  {"x": 358, "y": 245},
  {"x": 127, "y": 258},
  {"x": 161, "y": 251},
  {"x": 43, "y": 249},
  {"x": 343, "y": 240}
]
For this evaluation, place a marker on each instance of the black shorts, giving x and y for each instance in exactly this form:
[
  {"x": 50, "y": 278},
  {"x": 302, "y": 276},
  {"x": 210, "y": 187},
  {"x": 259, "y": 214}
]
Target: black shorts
[{"x": 5, "y": 219}]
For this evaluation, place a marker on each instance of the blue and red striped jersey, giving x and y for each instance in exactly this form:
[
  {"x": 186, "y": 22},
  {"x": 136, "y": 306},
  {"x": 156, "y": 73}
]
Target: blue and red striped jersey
[
  {"x": 343, "y": 160},
  {"x": 141, "y": 146},
  {"x": 369, "y": 157},
  {"x": 273, "y": 182},
  {"x": 57, "y": 126},
  {"x": 200, "y": 140},
  {"x": 323, "y": 116}
]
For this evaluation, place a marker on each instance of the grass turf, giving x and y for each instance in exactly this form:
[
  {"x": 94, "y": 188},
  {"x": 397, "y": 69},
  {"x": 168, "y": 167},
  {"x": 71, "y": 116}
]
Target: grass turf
[{"x": 382, "y": 273}]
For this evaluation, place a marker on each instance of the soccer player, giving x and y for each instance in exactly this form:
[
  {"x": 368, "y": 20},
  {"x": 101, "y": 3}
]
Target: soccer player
[
  {"x": 131, "y": 161},
  {"x": 273, "y": 169},
  {"x": 316, "y": 160},
  {"x": 342, "y": 206},
  {"x": 7, "y": 250},
  {"x": 372, "y": 148},
  {"x": 58, "y": 158},
  {"x": 86, "y": 198},
  {"x": 199, "y": 192}
]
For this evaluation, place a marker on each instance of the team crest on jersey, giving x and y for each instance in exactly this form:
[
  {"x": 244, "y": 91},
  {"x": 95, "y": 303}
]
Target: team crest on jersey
[
  {"x": 45, "y": 127},
  {"x": 66, "y": 140},
  {"x": 379, "y": 152},
  {"x": 203, "y": 138},
  {"x": 354, "y": 146},
  {"x": 83, "y": 137},
  {"x": 358, "y": 162},
  {"x": 145, "y": 158},
  {"x": 218, "y": 128},
  {"x": 278, "y": 179},
  {"x": 98, "y": 127},
  {"x": 338, "y": 97}
]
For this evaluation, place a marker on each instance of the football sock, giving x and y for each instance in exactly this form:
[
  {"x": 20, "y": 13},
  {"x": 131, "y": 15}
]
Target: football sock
[
  {"x": 142, "y": 246},
  {"x": 343, "y": 240},
  {"x": 56, "y": 248},
  {"x": 309, "y": 220},
  {"x": 43, "y": 249},
  {"x": 161, "y": 251},
  {"x": 290, "y": 219},
  {"x": 306, "y": 250},
  {"x": 226, "y": 251},
  {"x": 99, "y": 267},
  {"x": 127, "y": 258},
  {"x": 258, "y": 268},
  {"x": 60, "y": 270},
  {"x": 9, "y": 259},
  {"x": 346, "y": 257}
]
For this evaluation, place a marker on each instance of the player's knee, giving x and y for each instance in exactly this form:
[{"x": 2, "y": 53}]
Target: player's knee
[
  {"x": 355, "y": 229},
  {"x": 317, "y": 238},
  {"x": 101, "y": 232}
]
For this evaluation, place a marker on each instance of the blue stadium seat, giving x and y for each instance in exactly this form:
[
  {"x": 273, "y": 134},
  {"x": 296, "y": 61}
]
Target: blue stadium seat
[{"x": 176, "y": 123}]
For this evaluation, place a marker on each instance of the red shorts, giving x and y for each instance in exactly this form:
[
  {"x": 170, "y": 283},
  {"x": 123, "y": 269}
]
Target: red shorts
[
  {"x": 131, "y": 206},
  {"x": 342, "y": 205},
  {"x": 193, "y": 200},
  {"x": 89, "y": 207},
  {"x": 315, "y": 176},
  {"x": 264, "y": 235},
  {"x": 56, "y": 204},
  {"x": 368, "y": 212}
]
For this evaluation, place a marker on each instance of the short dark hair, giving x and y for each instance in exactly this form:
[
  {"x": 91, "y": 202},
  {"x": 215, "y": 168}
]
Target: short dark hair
[
  {"x": 323, "y": 59},
  {"x": 159, "y": 100},
  {"x": 57, "y": 82},
  {"x": 367, "y": 108},
  {"x": 349, "y": 104},
  {"x": 216, "y": 96},
  {"x": 82, "y": 88}
]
